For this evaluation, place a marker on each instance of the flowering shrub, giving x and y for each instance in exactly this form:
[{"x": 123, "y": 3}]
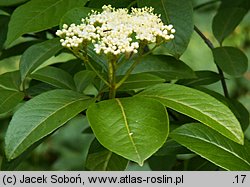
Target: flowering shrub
[{"x": 117, "y": 77}]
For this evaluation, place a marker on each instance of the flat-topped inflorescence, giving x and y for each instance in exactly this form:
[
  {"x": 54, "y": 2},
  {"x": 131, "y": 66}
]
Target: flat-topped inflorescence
[{"x": 117, "y": 31}]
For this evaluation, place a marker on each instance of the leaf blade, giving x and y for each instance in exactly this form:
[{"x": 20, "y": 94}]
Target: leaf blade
[
  {"x": 9, "y": 99},
  {"x": 10, "y": 80},
  {"x": 199, "y": 106},
  {"x": 36, "y": 16},
  {"x": 35, "y": 55},
  {"x": 200, "y": 138},
  {"x": 231, "y": 60},
  {"x": 40, "y": 116},
  {"x": 120, "y": 125},
  {"x": 139, "y": 81},
  {"x": 101, "y": 159},
  {"x": 226, "y": 20},
  {"x": 179, "y": 13},
  {"x": 166, "y": 67},
  {"x": 83, "y": 79},
  {"x": 54, "y": 76}
]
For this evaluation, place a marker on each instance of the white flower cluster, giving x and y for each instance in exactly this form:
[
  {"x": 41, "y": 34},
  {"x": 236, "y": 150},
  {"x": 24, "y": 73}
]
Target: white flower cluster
[{"x": 116, "y": 31}]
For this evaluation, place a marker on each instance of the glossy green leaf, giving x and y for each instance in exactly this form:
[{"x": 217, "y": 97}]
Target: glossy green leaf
[
  {"x": 11, "y": 2},
  {"x": 10, "y": 80},
  {"x": 75, "y": 16},
  {"x": 41, "y": 116},
  {"x": 226, "y": 20},
  {"x": 101, "y": 159},
  {"x": 83, "y": 79},
  {"x": 166, "y": 67},
  {"x": 37, "y": 54},
  {"x": 141, "y": 80},
  {"x": 198, "y": 105},
  {"x": 38, "y": 15},
  {"x": 114, "y": 3},
  {"x": 134, "y": 128},
  {"x": 179, "y": 13},
  {"x": 203, "y": 78},
  {"x": 213, "y": 146},
  {"x": 54, "y": 76},
  {"x": 235, "y": 106},
  {"x": 231, "y": 60},
  {"x": 9, "y": 99}
]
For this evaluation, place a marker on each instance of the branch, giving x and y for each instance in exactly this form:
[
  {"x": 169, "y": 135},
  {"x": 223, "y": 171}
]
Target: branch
[{"x": 211, "y": 46}]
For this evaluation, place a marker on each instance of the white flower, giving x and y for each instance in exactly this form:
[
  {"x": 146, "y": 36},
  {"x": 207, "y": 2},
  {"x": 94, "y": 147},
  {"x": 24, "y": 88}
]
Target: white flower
[{"x": 116, "y": 31}]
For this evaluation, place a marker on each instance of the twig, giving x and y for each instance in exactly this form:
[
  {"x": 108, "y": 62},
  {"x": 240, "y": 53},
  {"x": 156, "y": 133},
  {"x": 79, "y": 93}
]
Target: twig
[{"x": 211, "y": 46}]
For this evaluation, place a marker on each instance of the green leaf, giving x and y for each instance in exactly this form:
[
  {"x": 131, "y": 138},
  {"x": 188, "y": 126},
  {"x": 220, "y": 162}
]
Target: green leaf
[
  {"x": 134, "y": 128},
  {"x": 226, "y": 20},
  {"x": 17, "y": 50},
  {"x": 200, "y": 164},
  {"x": 162, "y": 163},
  {"x": 10, "y": 80},
  {"x": 54, "y": 76},
  {"x": 231, "y": 60},
  {"x": 75, "y": 16},
  {"x": 101, "y": 159},
  {"x": 13, "y": 164},
  {"x": 171, "y": 147},
  {"x": 235, "y": 106},
  {"x": 9, "y": 99},
  {"x": 41, "y": 116},
  {"x": 83, "y": 79},
  {"x": 99, "y": 59},
  {"x": 38, "y": 15},
  {"x": 179, "y": 13},
  {"x": 4, "y": 20},
  {"x": 198, "y": 105},
  {"x": 240, "y": 112},
  {"x": 114, "y": 3},
  {"x": 141, "y": 80},
  {"x": 203, "y": 78},
  {"x": 37, "y": 54},
  {"x": 213, "y": 146},
  {"x": 39, "y": 88},
  {"x": 166, "y": 67},
  {"x": 11, "y": 2}
]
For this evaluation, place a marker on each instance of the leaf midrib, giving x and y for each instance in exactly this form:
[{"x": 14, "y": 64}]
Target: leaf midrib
[
  {"x": 35, "y": 127},
  {"x": 128, "y": 129},
  {"x": 105, "y": 165}
]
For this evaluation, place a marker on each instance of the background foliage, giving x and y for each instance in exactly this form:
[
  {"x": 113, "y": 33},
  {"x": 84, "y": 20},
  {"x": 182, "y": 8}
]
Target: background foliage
[{"x": 212, "y": 40}]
